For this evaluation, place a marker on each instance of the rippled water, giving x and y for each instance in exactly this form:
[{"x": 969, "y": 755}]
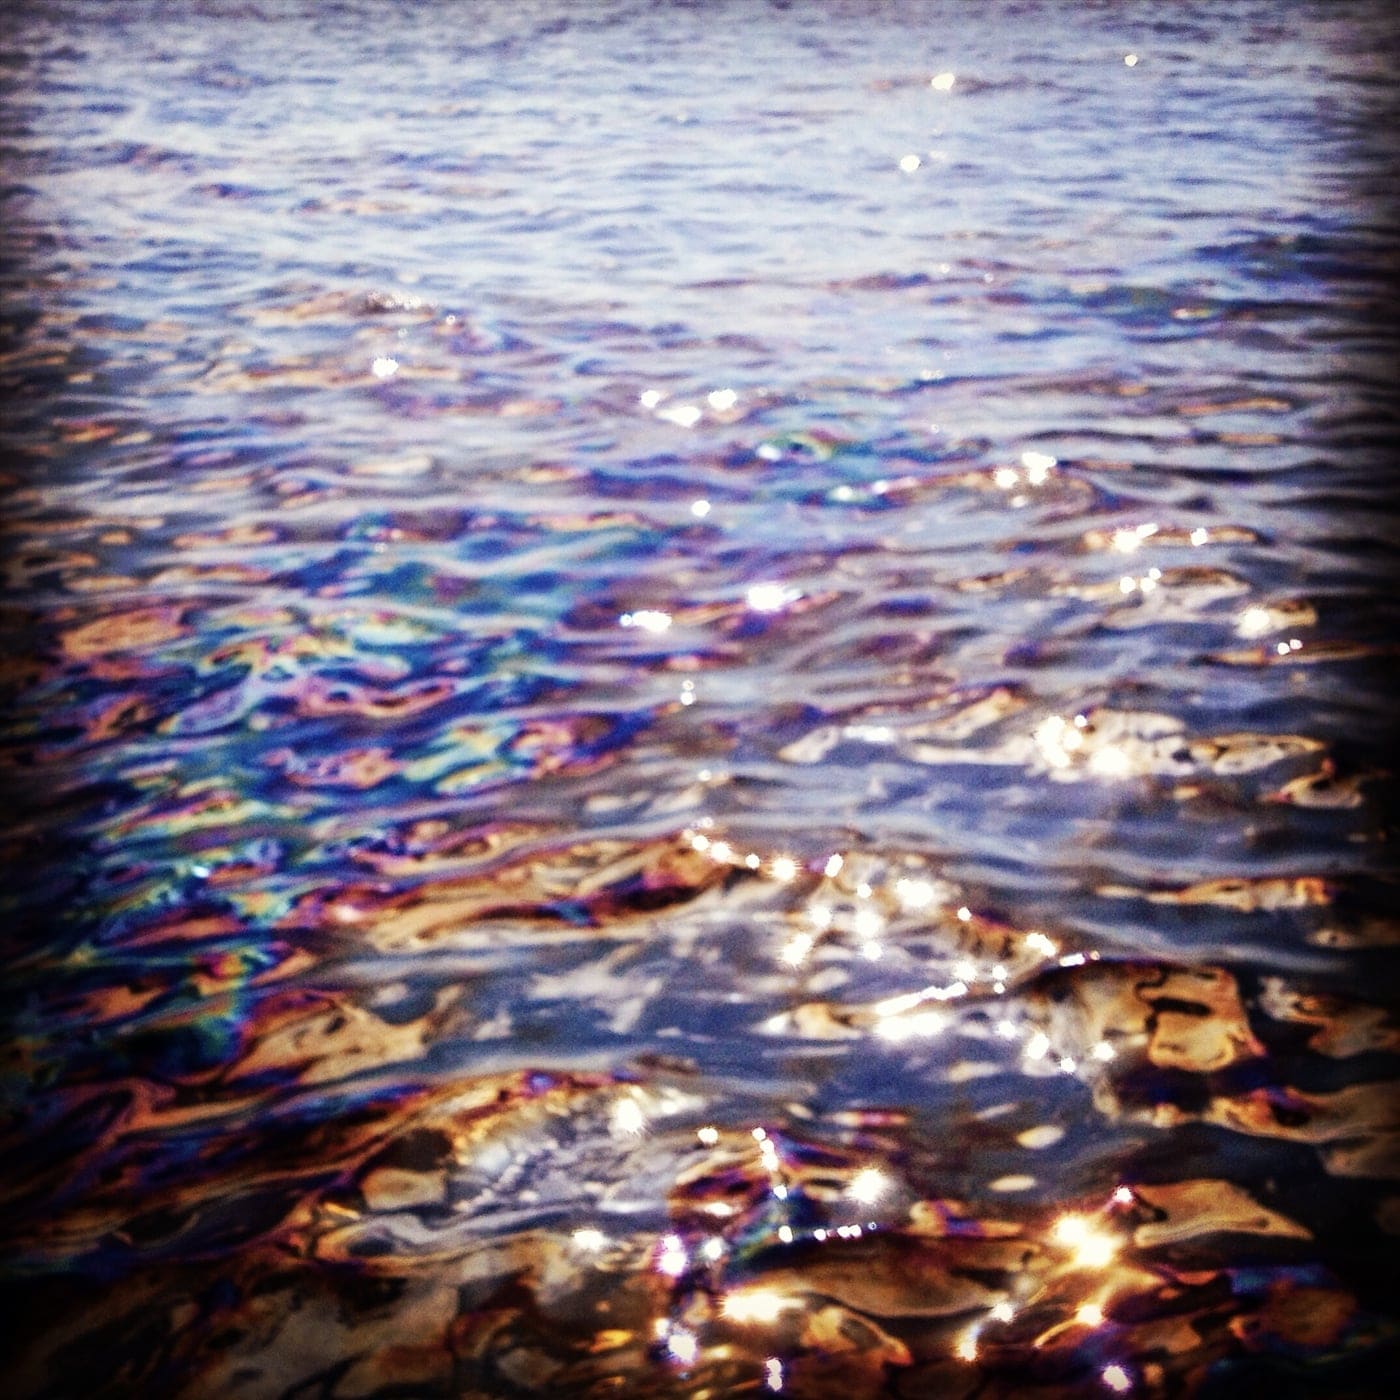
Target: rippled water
[{"x": 697, "y": 699}]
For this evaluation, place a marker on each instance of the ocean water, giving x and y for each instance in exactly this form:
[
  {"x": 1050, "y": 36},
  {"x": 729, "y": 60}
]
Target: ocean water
[{"x": 698, "y": 699}]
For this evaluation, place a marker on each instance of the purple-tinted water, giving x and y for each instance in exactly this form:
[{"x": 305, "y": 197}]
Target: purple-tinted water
[{"x": 697, "y": 700}]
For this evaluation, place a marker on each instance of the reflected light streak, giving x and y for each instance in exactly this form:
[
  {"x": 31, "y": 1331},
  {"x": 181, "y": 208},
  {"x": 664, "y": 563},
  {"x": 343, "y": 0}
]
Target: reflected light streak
[
  {"x": 926, "y": 1024},
  {"x": 648, "y": 619},
  {"x": 1092, "y": 1248},
  {"x": 684, "y": 415},
  {"x": 771, "y": 597},
  {"x": 1110, "y": 762},
  {"x": 756, "y": 1305}
]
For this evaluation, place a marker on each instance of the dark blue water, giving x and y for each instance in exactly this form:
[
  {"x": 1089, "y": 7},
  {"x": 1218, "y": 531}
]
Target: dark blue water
[{"x": 698, "y": 699}]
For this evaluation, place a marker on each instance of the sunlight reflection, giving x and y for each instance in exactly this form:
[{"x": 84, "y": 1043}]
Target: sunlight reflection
[
  {"x": 868, "y": 1185},
  {"x": 683, "y": 1346},
  {"x": 773, "y": 1373},
  {"x": 1254, "y": 622},
  {"x": 771, "y": 597},
  {"x": 647, "y": 619},
  {"x": 671, "y": 1258},
  {"x": 384, "y": 367},
  {"x": 628, "y": 1119},
  {"x": 756, "y": 1305},
  {"x": 1126, "y": 541},
  {"x": 942, "y": 82},
  {"x": 1115, "y": 1377},
  {"x": 684, "y": 415},
  {"x": 910, "y": 163},
  {"x": 795, "y": 950}
]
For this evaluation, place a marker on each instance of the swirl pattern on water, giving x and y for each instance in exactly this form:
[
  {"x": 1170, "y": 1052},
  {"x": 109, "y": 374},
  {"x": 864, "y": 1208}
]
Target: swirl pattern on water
[{"x": 696, "y": 700}]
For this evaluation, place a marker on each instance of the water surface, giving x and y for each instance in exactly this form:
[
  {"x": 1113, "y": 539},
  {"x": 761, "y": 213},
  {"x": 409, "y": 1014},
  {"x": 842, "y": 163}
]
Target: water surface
[{"x": 697, "y": 699}]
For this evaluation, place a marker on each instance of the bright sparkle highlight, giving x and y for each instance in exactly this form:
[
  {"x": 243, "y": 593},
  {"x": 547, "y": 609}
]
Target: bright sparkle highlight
[
  {"x": 771, "y": 597},
  {"x": 942, "y": 82},
  {"x": 648, "y": 619},
  {"x": 628, "y": 1120},
  {"x": 683, "y": 1346},
  {"x": 755, "y": 1305},
  {"x": 672, "y": 1259},
  {"x": 384, "y": 367},
  {"x": 868, "y": 1185}
]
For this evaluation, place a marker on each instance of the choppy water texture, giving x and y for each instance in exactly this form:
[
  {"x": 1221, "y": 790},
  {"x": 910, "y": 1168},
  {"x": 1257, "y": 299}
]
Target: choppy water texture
[{"x": 697, "y": 700}]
